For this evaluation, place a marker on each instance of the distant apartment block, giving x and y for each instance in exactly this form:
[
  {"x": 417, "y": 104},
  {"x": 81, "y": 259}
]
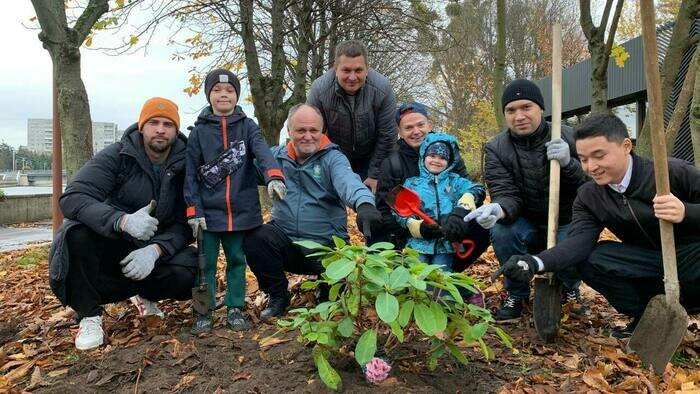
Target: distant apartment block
[{"x": 40, "y": 135}]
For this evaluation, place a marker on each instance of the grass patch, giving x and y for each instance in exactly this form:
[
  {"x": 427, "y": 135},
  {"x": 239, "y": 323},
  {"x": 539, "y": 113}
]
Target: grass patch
[
  {"x": 684, "y": 360},
  {"x": 33, "y": 256}
]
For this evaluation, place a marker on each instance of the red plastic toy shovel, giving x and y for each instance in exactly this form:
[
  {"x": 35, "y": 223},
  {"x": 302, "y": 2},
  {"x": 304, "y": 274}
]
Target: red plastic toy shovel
[{"x": 405, "y": 202}]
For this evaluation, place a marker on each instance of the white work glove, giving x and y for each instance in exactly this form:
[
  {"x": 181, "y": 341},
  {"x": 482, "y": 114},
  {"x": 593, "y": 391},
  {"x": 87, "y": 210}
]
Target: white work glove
[
  {"x": 138, "y": 264},
  {"x": 140, "y": 224},
  {"x": 276, "y": 190},
  {"x": 196, "y": 224},
  {"x": 486, "y": 215},
  {"x": 558, "y": 149}
]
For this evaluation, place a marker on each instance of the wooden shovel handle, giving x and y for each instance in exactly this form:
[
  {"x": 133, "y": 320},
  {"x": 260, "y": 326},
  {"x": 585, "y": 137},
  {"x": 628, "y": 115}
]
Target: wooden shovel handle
[
  {"x": 554, "y": 169},
  {"x": 658, "y": 145}
]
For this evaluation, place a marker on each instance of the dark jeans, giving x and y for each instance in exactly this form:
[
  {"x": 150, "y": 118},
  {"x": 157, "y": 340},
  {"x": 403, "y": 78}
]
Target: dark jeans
[
  {"x": 523, "y": 237},
  {"x": 95, "y": 277},
  {"x": 629, "y": 276},
  {"x": 269, "y": 253}
]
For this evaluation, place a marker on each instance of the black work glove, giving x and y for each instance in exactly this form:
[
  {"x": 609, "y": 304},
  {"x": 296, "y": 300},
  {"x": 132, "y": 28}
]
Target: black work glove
[
  {"x": 368, "y": 215},
  {"x": 520, "y": 268},
  {"x": 454, "y": 226},
  {"x": 431, "y": 231}
]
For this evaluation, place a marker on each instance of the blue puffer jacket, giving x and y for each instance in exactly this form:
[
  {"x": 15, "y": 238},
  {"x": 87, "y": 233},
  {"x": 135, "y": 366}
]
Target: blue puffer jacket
[
  {"x": 317, "y": 193},
  {"x": 439, "y": 195},
  {"x": 233, "y": 204}
]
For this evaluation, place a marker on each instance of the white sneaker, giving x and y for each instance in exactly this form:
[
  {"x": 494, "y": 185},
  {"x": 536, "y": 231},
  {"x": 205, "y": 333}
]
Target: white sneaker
[
  {"x": 90, "y": 334},
  {"x": 146, "y": 307}
]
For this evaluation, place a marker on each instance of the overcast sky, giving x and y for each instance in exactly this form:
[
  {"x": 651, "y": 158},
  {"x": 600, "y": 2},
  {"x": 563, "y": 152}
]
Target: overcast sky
[{"x": 117, "y": 86}]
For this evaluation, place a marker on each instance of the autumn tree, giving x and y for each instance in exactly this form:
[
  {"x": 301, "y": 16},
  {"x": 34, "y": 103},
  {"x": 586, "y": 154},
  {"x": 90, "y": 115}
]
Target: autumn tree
[
  {"x": 63, "y": 44},
  {"x": 499, "y": 71},
  {"x": 599, "y": 47}
]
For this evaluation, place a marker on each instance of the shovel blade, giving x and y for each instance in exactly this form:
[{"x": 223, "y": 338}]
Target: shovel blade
[
  {"x": 659, "y": 332},
  {"x": 546, "y": 308},
  {"x": 200, "y": 299}
]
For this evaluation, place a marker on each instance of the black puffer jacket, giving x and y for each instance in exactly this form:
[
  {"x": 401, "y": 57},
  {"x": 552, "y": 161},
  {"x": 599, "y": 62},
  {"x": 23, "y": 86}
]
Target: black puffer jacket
[
  {"x": 365, "y": 131},
  {"x": 517, "y": 175},
  {"x": 120, "y": 179},
  {"x": 402, "y": 164},
  {"x": 629, "y": 215}
]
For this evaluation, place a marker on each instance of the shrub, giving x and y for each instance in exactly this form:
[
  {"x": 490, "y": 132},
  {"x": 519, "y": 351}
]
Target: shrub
[{"x": 380, "y": 298}]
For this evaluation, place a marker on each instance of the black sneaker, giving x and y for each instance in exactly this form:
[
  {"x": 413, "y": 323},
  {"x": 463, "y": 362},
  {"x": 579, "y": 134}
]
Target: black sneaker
[
  {"x": 236, "y": 320},
  {"x": 511, "y": 310},
  {"x": 572, "y": 297},
  {"x": 276, "y": 306},
  {"x": 625, "y": 332},
  {"x": 201, "y": 325}
]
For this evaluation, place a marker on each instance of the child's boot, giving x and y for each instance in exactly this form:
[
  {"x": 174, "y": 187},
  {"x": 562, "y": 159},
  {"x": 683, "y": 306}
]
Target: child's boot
[
  {"x": 202, "y": 324},
  {"x": 236, "y": 320}
]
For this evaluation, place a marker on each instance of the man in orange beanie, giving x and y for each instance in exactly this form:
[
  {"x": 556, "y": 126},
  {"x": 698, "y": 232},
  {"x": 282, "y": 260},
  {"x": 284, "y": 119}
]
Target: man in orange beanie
[{"x": 126, "y": 233}]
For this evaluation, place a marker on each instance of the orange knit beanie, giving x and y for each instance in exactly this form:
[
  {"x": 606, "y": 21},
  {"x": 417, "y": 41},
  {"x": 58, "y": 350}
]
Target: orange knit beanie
[{"x": 158, "y": 106}]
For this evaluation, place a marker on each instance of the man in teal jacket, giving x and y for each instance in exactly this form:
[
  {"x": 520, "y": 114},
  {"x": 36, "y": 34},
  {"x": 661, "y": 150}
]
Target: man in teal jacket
[{"x": 320, "y": 185}]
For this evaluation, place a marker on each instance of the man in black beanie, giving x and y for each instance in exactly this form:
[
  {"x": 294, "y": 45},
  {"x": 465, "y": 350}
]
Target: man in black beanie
[{"x": 517, "y": 177}]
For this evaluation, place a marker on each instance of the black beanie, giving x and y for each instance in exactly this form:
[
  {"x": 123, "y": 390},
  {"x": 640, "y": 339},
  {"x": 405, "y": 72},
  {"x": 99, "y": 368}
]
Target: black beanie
[
  {"x": 521, "y": 89},
  {"x": 224, "y": 76}
]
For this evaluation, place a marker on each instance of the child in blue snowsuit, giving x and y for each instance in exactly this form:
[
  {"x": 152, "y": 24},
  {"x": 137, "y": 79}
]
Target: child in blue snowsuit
[
  {"x": 440, "y": 191},
  {"x": 221, "y": 189}
]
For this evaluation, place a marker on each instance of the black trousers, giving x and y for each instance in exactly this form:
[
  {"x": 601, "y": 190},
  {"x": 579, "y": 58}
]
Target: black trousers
[
  {"x": 269, "y": 253},
  {"x": 629, "y": 276},
  {"x": 95, "y": 277}
]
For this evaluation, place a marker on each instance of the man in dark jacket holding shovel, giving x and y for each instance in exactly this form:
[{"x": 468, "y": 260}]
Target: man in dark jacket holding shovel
[
  {"x": 126, "y": 232},
  {"x": 622, "y": 197},
  {"x": 517, "y": 176}
]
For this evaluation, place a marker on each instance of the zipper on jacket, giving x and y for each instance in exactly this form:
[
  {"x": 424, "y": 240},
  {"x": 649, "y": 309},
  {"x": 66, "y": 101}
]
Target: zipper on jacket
[
  {"x": 437, "y": 218},
  {"x": 629, "y": 206},
  {"x": 227, "y": 197}
]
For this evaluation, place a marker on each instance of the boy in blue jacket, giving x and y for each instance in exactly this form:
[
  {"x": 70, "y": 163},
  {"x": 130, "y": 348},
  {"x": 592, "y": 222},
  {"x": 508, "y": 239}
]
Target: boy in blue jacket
[
  {"x": 221, "y": 189},
  {"x": 440, "y": 192}
]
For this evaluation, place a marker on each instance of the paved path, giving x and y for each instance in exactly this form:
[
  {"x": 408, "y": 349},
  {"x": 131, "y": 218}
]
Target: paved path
[{"x": 12, "y": 238}]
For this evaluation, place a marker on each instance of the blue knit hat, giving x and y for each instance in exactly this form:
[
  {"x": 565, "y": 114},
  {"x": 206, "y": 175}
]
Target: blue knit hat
[
  {"x": 409, "y": 108},
  {"x": 439, "y": 148}
]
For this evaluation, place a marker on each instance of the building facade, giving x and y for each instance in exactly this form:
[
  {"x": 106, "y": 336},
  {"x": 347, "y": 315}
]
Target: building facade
[{"x": 40, "y": 135}]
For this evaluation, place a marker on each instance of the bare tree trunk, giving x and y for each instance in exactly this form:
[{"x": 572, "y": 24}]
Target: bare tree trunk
[
  {"x": 695, "y": 116},
  {"x": 680, "y": 43},
  {"x": 63, "y": 44},
  {"x": 674, "y": 124},
  {"x": 599, "y": 48},
  {"x": 499, "y": 74}
]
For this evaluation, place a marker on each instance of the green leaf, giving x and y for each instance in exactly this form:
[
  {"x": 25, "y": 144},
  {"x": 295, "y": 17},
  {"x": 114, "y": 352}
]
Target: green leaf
[
  {"x": 381, "y": 246},
  {"x": 375, "y": 275},
  {"x": 339, "y": 242},
  {"x": 328, "y": 375},
  {"x": 354, "y": 303},
  {"x": 399, "y": 278},
  {"x": 477, "y": 331},
  {"x": 424, "y": 319},
  {"x": 417, "y": 283},
  {"x": 387, "y": 307},
  {"x": 488, "y": 353},
  {"x": 308, "y": 285},
  {"x": 388, "y": 254},
  {"x": 339, "y": 269},
  {"x": 366, "y": 347},
  {"x": 439, "y": 317},
  {"x": 312, "y": 245},
  {"x": 333, "y": 292},
  {"x": 405, "y": 312},
  {"x": 457, "y": 354},
  {"x": 429, "y": 268},
  {"x": 396, "y": 330},
  {"x": 505, "y": 338},
  {"x": 345, "y": 327},
  {"x": 454, "y": 293}
]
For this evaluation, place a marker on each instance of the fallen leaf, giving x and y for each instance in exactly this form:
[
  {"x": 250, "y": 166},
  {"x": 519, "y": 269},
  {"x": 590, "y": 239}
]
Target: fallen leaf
[
  {"x": 594, "y": 378},
  {"x": 19, "y": 373},
  {"x": 272, "y": 341},
  {"x": 36, "y": 380},
  {"x": 57, "y": 373},
  {"x": 184, "y": 382},
  {"x": 390, "y": 381},
  {"x": 241, "y": 376},
  {"x": 92, "y": 376}
]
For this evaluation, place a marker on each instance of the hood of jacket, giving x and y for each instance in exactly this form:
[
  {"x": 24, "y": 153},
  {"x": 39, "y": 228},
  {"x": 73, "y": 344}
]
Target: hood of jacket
[{"x": 431, "y": 138}]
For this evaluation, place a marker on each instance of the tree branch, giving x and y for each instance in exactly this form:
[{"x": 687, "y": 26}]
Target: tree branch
[{"x": 92, "y": 13}]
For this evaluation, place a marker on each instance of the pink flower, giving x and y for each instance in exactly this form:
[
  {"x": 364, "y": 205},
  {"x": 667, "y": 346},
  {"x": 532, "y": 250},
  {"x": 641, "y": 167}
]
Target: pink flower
[{"x": 377, "y": 370}]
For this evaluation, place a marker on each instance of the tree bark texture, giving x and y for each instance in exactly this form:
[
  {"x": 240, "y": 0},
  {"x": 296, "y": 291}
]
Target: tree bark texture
[
  {"x": 695, "y": 115},
  {"x": 599, "y": 48},
  {"x": 680, "y": 43},
  {"x": 499, "y": 74},
  {"x": 63, "y": 44}
]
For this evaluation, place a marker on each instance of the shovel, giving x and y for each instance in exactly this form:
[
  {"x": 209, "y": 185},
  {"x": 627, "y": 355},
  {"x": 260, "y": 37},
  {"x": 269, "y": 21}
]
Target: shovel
[
  {"x": 200, "y": 293},
  {"x": 405, "y": 202},
  {"x": 664, "y": 322},
  {"x": 546, "y": 305}
]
